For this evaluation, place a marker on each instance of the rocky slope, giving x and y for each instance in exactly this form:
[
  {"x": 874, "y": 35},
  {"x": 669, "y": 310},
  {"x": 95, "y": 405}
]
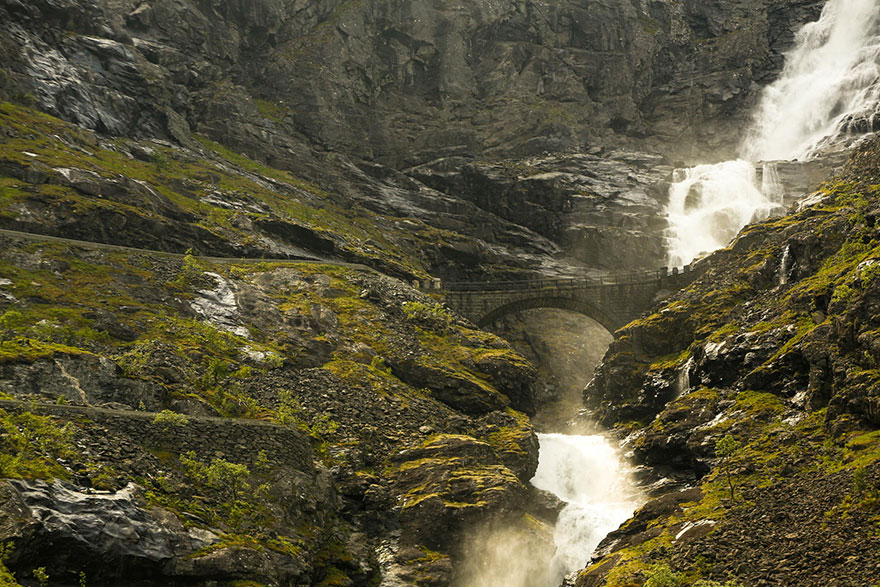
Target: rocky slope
[
  {"x": 175, "y": 419},
  {"x": 174, "y": 414},
  {"x": 756, "y": 387}
]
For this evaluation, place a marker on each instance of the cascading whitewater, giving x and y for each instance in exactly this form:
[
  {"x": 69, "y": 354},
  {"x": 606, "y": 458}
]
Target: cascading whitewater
[
  {"x": 588, "y": 475},
  {"x": 708, "y": 204},
  {"x": 829, "y": 81},
  {"x": 827, "y": 95}
]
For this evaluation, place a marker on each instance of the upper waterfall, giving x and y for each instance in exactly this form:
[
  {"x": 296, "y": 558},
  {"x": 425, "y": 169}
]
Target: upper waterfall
[
  {"x": 827, "y": 94},
  {"x": 829, "y": 86}
]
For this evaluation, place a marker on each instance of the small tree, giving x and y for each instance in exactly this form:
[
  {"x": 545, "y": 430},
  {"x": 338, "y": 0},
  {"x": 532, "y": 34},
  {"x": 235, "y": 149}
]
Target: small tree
[
  {"x": 227, "y": 477},
  {"x": 9, "y": 320},
  {"x": 726, "y": 449}
]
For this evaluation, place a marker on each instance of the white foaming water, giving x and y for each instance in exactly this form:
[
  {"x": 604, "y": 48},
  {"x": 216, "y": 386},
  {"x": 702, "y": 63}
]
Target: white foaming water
[
  {"x": 586, "y": 473},
  {"x": 828, "y": 93},
  {"x": 832, "y": 75},
  {"x": 709, "y": 204}
]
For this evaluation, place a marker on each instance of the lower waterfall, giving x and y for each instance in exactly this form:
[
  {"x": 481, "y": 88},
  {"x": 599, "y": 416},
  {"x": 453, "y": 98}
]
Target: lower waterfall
[{"x": 588, "y": 474}]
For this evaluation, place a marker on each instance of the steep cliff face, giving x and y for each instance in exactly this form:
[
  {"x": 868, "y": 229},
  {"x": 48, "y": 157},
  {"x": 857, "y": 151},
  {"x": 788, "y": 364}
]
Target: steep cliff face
[
  {"x": 758, "y": 384},
  {"x": 404, "y": 83}
]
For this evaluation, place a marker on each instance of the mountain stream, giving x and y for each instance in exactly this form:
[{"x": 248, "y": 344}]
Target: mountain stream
[{"x": 827, "y": 96}]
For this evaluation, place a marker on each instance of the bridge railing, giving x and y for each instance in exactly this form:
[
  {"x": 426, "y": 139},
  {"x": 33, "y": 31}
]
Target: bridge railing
[{"x": 561, "y": 283}]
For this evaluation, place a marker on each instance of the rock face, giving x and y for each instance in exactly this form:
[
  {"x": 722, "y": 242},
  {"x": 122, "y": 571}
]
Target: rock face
[
  {"x": 606, "y": 212},
  {"x": 342, "y": 93},
  {"x": 73, "y": 529},
  {"x": 743, "y": 383},
  {"x": 401, "y": 82},
  {"x": 275, "y": 422}
]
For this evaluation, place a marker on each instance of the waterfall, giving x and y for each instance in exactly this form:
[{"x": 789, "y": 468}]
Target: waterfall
[
  {"x": 683, "y": 381},
  {"x": 784, "y": 270},
  {"x": 771, "y": 185},
  {"x": 588, "y": 475},
  {"x": 709, "y": 204},
  {"x": 832, "y": 76},
  {"x": 827, "y": 95}
]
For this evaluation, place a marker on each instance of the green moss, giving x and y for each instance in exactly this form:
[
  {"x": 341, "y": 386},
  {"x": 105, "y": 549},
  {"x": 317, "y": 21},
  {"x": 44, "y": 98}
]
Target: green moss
[
  {"x": 31, "y": 446},
  {"x": 759, "y": 404},
  {"x": 334, "y": 577},
  {"x": 26, "y": 350},
  {"x": 271, "y": 110},
  {"x": 183, "y": 181},
  {"x": 512, "y": 439},
  {"x": 670, "y": 361}
]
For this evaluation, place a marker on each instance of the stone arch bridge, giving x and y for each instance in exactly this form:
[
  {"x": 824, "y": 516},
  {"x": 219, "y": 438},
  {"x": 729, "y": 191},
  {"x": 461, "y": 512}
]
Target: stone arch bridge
[{"x": 613, "y": 301}]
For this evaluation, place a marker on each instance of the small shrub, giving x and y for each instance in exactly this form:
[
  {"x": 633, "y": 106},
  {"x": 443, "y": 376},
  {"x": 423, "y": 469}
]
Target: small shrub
[
  {"x": 9, "y": 321},
  {"x": 434, "y": 316},
  {"x": 324, "y": 425},
  {"x": 859, "y": 481},
  {"x": 31, "y": 445},
  {"x": 6, "y": 550},
  {"x": 160, "y": 160},
  {"x": 378, "y": 364},
  {"x": 190, "y": 270},
  {"x": 41, "y": 576},
  {"x": 660, "y": 575},
  {"x": 168, "y": 419},
  {"x": 290, "y": 411},
  {"x": 226, "y": 478},
  {"x": 262, "y": 464}
]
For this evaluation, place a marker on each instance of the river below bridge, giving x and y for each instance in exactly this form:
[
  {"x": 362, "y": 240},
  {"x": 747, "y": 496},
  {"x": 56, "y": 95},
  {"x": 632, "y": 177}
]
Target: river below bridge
[
  {"x": 588, "y": 474},
  {"x": 581, "y": 467}
]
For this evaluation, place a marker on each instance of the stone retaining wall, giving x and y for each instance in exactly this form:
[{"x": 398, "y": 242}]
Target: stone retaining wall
[{"x": 236, "y": 440}]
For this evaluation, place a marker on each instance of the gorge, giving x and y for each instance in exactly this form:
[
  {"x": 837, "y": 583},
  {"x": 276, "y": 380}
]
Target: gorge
[{"x": 230, "y": 351}]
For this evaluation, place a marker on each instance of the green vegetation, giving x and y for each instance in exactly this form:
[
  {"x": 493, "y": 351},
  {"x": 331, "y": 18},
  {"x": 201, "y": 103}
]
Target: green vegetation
[
  {"x": 167, "y": 419},
  {"x": 726, "y": 449},
  {"x": 31, "y": 446},
  {"x": 431, "y": 316},
  {"x": 221, "y": 493},
  {"x": 7, "y": 579},
  {"x": 660, "y": 575},
  {"x": 190, "y": 271},
  {"x": 181, "y": 185},
  {"x": 41, "y": 576}
]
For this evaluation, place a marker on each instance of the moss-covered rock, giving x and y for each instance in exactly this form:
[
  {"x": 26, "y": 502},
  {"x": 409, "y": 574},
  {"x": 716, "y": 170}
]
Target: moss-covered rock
[{"x": 287, "y": 355}]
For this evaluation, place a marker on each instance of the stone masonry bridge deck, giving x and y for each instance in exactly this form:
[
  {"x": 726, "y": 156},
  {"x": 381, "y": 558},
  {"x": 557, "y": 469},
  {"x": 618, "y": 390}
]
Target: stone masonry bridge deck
[{"x": 613, "y": 301}]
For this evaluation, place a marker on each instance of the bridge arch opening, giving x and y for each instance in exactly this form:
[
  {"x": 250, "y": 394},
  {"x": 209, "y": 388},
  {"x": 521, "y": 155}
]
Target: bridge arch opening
[
  {"x": 565, "y": 346},
  {"x": 578, "y": 306}
]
